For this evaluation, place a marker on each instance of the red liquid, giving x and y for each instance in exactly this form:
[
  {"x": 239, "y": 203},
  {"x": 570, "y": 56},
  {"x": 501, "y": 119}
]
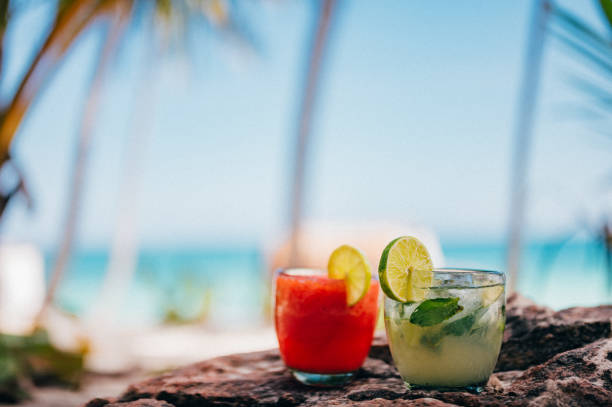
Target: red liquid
[{"x": 317, "y": 332}]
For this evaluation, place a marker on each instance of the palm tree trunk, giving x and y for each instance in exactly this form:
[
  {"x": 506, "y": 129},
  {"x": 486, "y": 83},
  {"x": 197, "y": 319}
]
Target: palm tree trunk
[
  {"x": 302, "y": 143},
  {"x": 523, "y": 135},
  {"x": 113, "y": 33},
  {"x": 123, "y": 258}
]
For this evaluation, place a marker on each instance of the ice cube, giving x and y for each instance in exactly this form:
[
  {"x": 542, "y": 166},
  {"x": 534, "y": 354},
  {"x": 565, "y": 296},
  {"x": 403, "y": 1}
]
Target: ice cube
[{"x": 469, "y": 299}]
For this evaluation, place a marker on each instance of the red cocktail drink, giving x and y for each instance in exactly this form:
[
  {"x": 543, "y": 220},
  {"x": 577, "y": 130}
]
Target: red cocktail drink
[{"x": 319, "y": 335}]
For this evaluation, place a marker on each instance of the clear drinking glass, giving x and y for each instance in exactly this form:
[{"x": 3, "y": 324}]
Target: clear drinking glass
[
  {"x": 452, "y": 338},
  {"x": 322, "y": 339}
]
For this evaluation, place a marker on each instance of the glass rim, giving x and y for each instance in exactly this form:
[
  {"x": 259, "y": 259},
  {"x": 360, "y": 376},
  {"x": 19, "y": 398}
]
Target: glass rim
[
  {"x": 467, "y": 270},
  {"x": 306, "y": 270},
  {"x": 471, "y": 271},
  {"x": 314, "y": 271},
  {"x": 309, "y": 272}
]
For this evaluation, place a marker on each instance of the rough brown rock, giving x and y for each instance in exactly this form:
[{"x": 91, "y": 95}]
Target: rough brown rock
[
  {"x": 548, "y": 358},
  {"x": 534, "y": 333},
  {"x": 584, "y": 374},
  {"x": 136, "y": 403}
]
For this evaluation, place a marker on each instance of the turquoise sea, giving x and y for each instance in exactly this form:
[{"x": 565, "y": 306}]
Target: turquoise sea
[
  {"x": 229, "y": 287},
  {"x": 552, "y": 274},
  {"x": 220, "y": 286}
]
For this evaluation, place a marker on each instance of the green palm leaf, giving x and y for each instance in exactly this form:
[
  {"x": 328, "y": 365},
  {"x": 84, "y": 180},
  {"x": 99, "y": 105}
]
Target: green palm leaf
[
  {"x": 594, "y": 49},
  {"x": 606, "y": 8}
]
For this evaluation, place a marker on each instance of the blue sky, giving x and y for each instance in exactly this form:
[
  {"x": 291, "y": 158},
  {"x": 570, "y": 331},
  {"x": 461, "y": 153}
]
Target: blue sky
[{"x": 414, "y": 125}]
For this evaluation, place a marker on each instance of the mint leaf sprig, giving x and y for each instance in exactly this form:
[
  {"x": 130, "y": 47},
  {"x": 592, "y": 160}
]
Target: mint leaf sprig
[{"x": 432, "y": 312}]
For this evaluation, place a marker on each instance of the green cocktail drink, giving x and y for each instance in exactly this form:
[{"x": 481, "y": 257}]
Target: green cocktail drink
[
  {"x": 453, "y": 337},
  {"x": 444, "y": 326}
]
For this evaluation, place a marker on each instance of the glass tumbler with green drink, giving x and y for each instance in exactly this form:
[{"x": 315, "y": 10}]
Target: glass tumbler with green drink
[{"x": 444, "y": 326}]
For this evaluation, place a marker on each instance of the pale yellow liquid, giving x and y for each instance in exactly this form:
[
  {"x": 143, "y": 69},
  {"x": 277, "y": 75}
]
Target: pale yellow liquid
[{"x": 447, "y": 360}]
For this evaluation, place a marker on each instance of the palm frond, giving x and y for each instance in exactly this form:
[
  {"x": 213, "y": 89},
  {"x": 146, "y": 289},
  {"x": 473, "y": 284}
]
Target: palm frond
[
  {"x": 582, "y": 39},
  {"x": 4, "y": 13},
  {"x": 598, "y": 92},
  {"x": 606, "y": 8},
  {"x": 577, "y": 110},
  {"x": 72, "y": 17},
  {"x": 601, "y": 62},
  {"x": 4, "y": 17},
  {"x": 594, "y": 49},
  {"x": 581, "y": 29},
  {"x": 175, "y": 19}
]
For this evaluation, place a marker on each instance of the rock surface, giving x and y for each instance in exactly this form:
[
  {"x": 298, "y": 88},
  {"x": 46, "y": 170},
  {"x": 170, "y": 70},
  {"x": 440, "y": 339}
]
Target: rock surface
[
  {"x": 548, "y": 358},
  {"x": 534, "y": 333}
]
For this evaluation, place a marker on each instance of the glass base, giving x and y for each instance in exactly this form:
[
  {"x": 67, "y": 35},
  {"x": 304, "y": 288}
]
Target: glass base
[
  {"x": 473, "y": 388},
  {"x": 322, "y": 380}
]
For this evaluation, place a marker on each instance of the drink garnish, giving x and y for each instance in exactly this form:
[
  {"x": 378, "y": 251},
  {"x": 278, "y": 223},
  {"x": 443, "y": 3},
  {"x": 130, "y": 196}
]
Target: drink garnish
[
  {"x": 349, "y": 264},
  {"x": 405, "y": 270},
  {"x": 436, "y": 310},
  {"x": 467, "y": 325}
]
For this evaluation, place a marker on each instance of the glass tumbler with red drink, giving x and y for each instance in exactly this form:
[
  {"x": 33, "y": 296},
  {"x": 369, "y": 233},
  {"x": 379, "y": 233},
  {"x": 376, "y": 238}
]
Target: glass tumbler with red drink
[{"x": 325, "y": 321}]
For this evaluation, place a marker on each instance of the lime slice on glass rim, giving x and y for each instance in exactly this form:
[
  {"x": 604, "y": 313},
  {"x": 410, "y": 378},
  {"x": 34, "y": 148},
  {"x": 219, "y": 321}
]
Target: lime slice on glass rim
[
  {"x": 349, "y": 264},
  {"x": 405, "y": 270}
]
